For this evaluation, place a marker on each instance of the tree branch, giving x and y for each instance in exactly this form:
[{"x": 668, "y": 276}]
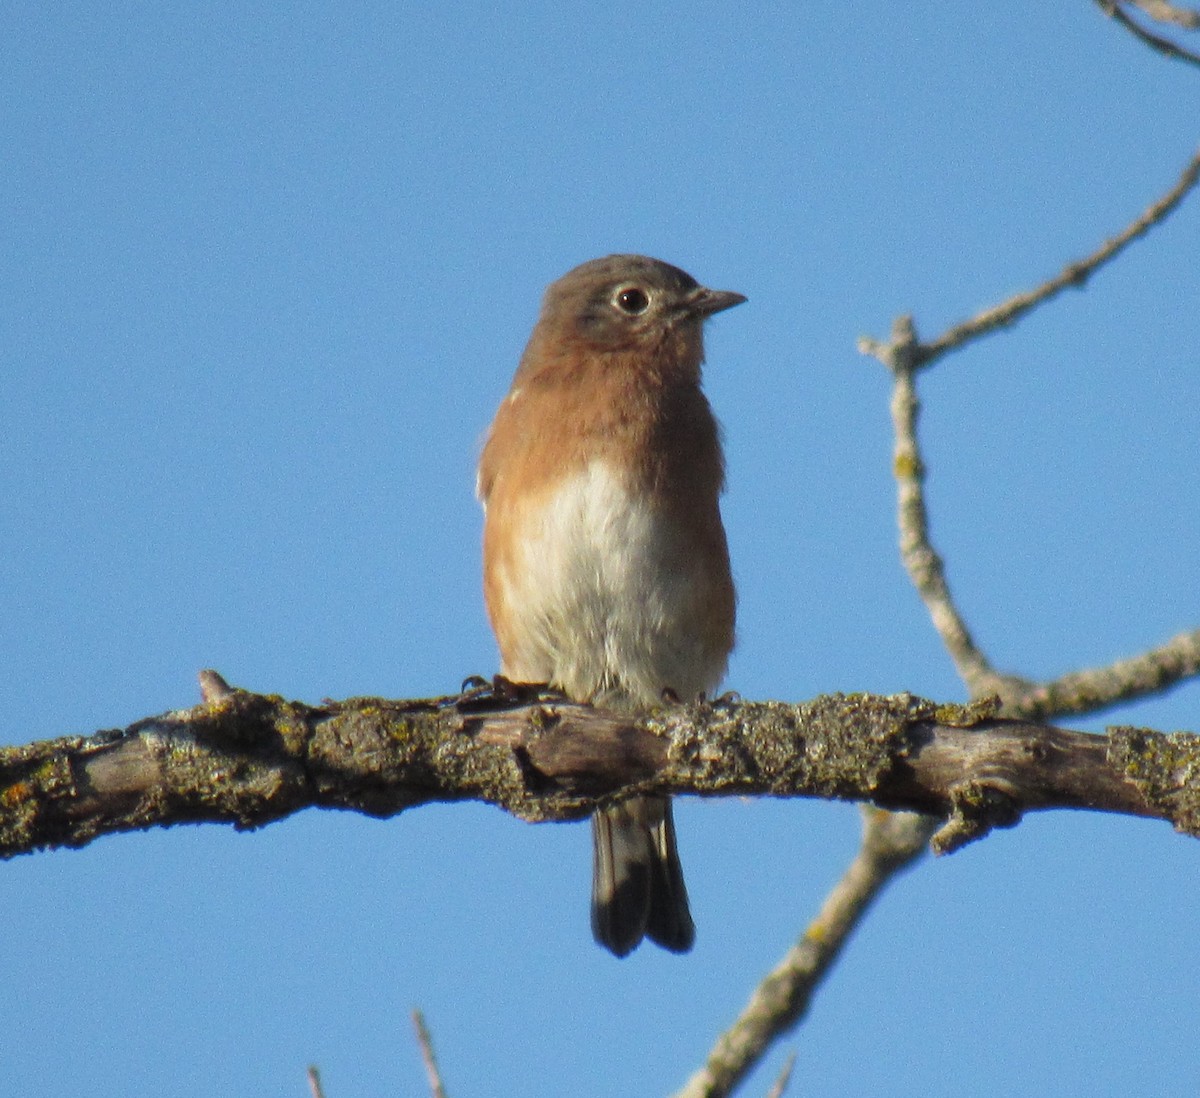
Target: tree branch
[
  {"x": 1097, "y": 688},
  {"x": 974, "y": 806},
  {"x": 921, "y": 560},
  {"x": 891, "y": 843},
  {"x": 904, "y": 355},
  {"x": 247, "y": 760},
  {"x": 905, "y": 351},
  {"x": 1162, "y": 12},
  {"x": 1075, "y": 693},
  {"x": 436, "y": 1087}
]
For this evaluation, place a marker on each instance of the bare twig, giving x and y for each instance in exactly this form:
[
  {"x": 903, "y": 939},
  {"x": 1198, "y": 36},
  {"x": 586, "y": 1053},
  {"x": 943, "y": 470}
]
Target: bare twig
[
  {"x": 890, "y": 843},
  {"x": 904, "y": 355},
  {"x": 921, "y": 560},
  {"x": 783, "y": 996},
  {"x": 915, "y": 355},
  {"x": 314, "y": 1082},
  {"x": 213, "y": 688},
  {"x": 1099, "y": 688},
  {"x": 785, "y": 1077},
  {"x": 436, "y": 1088},
  {"x": 1158, "y": 43},
  {"x": 1163, "y": 12},
  {"x": 1074, "y": 694}
]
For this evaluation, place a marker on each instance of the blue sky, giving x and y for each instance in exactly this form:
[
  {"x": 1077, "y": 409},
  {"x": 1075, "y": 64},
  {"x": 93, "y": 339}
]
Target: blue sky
[{"x": 266, "y": 274}]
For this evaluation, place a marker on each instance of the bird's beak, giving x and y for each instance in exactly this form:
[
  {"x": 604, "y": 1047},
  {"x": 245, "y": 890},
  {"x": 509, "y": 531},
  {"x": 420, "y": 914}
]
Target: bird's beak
[{"x": 705, "y": 302}]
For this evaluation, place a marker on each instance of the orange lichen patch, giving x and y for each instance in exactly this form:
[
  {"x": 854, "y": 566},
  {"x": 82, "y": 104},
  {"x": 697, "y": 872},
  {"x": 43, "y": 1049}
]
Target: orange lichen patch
[{"x": 13, "y": 795}]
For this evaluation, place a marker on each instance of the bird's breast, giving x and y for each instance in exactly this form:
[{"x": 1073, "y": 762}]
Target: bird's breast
[{"x": 599, "y": 588}]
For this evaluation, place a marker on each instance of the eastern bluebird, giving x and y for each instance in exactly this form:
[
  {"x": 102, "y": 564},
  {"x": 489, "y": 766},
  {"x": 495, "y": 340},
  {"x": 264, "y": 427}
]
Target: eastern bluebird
[{"x": 605, "y": 566}]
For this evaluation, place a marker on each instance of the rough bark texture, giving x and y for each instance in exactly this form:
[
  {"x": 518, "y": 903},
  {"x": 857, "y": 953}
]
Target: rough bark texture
[{"x": 248, "y": 759}]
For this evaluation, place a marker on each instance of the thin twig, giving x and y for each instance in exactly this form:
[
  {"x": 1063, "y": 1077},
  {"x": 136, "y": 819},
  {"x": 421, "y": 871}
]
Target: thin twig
[
  {"x": 1163, "y": 12},
  {"x": 781, "y": 999},
  {"x": 921, "y": 560},
  {"x": 436, "y": 1088},
  {"x": 891, "y": 841},
  {"x": 917, "y": 355},
  {"x": 1156, "y": 42},
  {"x": 1098, "y": 688},
  {"x": 314, "y": 1082},
  {"x": 904, "y": 354},
  {"x": 785, "y": 1077},
  {"x": 1074, "y": 694}
]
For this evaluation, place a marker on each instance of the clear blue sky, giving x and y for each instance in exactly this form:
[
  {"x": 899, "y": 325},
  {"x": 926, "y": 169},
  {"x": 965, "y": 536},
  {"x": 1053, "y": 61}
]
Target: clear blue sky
[{"x": 266, "y": 273}]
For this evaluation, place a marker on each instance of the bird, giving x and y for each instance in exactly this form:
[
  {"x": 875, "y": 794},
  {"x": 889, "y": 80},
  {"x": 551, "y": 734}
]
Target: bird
[{"x": 605, "y": 562}]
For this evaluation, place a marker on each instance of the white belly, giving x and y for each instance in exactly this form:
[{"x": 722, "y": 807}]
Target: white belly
[{"x": 608, "y": 598}]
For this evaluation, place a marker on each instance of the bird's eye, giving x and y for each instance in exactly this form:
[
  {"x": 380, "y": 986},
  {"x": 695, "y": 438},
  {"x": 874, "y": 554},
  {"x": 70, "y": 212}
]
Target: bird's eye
[{"x": 632, "y": 300}]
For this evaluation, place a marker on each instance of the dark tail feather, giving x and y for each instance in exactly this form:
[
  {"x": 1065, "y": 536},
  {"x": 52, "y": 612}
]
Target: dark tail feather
[{"x": 637, "y": 881}]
